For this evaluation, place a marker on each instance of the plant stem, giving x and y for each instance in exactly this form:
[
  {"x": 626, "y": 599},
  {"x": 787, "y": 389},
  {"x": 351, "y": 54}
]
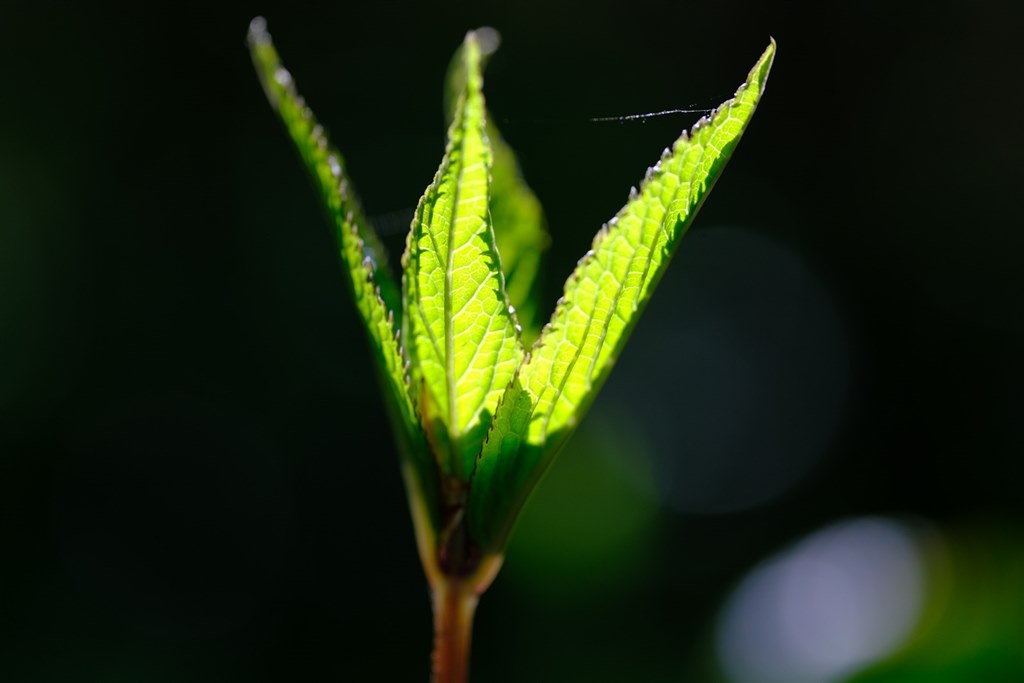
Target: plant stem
[{"x": 455, "y": 601}]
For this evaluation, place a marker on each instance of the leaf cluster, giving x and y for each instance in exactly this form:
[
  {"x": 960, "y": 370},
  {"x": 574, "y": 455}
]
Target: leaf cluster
[{"x": 481, "y": 399}]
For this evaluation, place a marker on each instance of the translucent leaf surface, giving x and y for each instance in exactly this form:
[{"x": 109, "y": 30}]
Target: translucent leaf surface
[
  {"x": 459, "y": 330},
  {"x": 516, "y": 213},
  {"x": 375, "y": 291},
  {"x": 602, "y": 301}
]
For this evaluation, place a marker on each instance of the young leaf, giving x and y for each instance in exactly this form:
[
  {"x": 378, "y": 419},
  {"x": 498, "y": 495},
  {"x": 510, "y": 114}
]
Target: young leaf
[
  {"x": 460, "y": 333},
  {"x": 602, "y": 301},
  {"x": 324, "y": 163},
  {"x": 375, "y": 291},
  {"x": 516, "y": 213}
]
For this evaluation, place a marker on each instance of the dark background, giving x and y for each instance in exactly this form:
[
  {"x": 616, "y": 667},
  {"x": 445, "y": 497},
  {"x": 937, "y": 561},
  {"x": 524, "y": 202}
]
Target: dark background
[{"x": 197, "y": 481}]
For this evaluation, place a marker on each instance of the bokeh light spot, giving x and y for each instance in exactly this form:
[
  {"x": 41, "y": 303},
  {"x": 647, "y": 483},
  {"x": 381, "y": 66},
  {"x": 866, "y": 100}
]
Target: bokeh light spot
[{"x": 843, "y": 597}]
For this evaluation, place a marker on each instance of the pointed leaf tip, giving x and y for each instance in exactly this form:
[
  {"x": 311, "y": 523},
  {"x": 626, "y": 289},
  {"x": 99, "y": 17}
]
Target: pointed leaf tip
[
  {"x": 488, "y": 39},
  {"x": 258, "y": 31},
  {"x": 759, "y": 73}
]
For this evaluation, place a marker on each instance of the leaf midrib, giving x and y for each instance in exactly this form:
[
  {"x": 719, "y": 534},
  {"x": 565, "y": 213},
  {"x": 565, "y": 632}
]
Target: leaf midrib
[{"x": 449, "y": 332}]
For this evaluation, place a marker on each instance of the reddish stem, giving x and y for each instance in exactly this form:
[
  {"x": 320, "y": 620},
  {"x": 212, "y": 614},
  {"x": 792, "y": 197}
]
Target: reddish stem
[{"x": 455, "y": 602}]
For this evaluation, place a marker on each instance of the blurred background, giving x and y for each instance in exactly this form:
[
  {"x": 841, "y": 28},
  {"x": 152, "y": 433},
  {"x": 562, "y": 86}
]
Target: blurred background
[{"x": 805, "y": 468}]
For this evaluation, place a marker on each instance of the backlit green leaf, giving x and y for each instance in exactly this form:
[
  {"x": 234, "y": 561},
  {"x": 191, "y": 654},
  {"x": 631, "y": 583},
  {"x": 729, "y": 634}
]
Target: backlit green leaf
[
  {"x": 325, "y": 165},
  {"x": 505, "y": 472},
  {"x": 459, "y": 331},
  {"x": 516, "y": 213},
  {"x": 600, "y": 306},
  {"x": 375, "y": 291}
]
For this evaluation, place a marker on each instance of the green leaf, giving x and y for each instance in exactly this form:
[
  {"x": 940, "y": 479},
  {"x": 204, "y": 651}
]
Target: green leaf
[
  {"x": 325, "y": 165},
  {"x": 505, "y": 471},
  {"x": 375, "y": 292},
  {"x": 460, "y": 333},
  {"x": 602, "y": 301},
  {"x": 516, "y": 213}
]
